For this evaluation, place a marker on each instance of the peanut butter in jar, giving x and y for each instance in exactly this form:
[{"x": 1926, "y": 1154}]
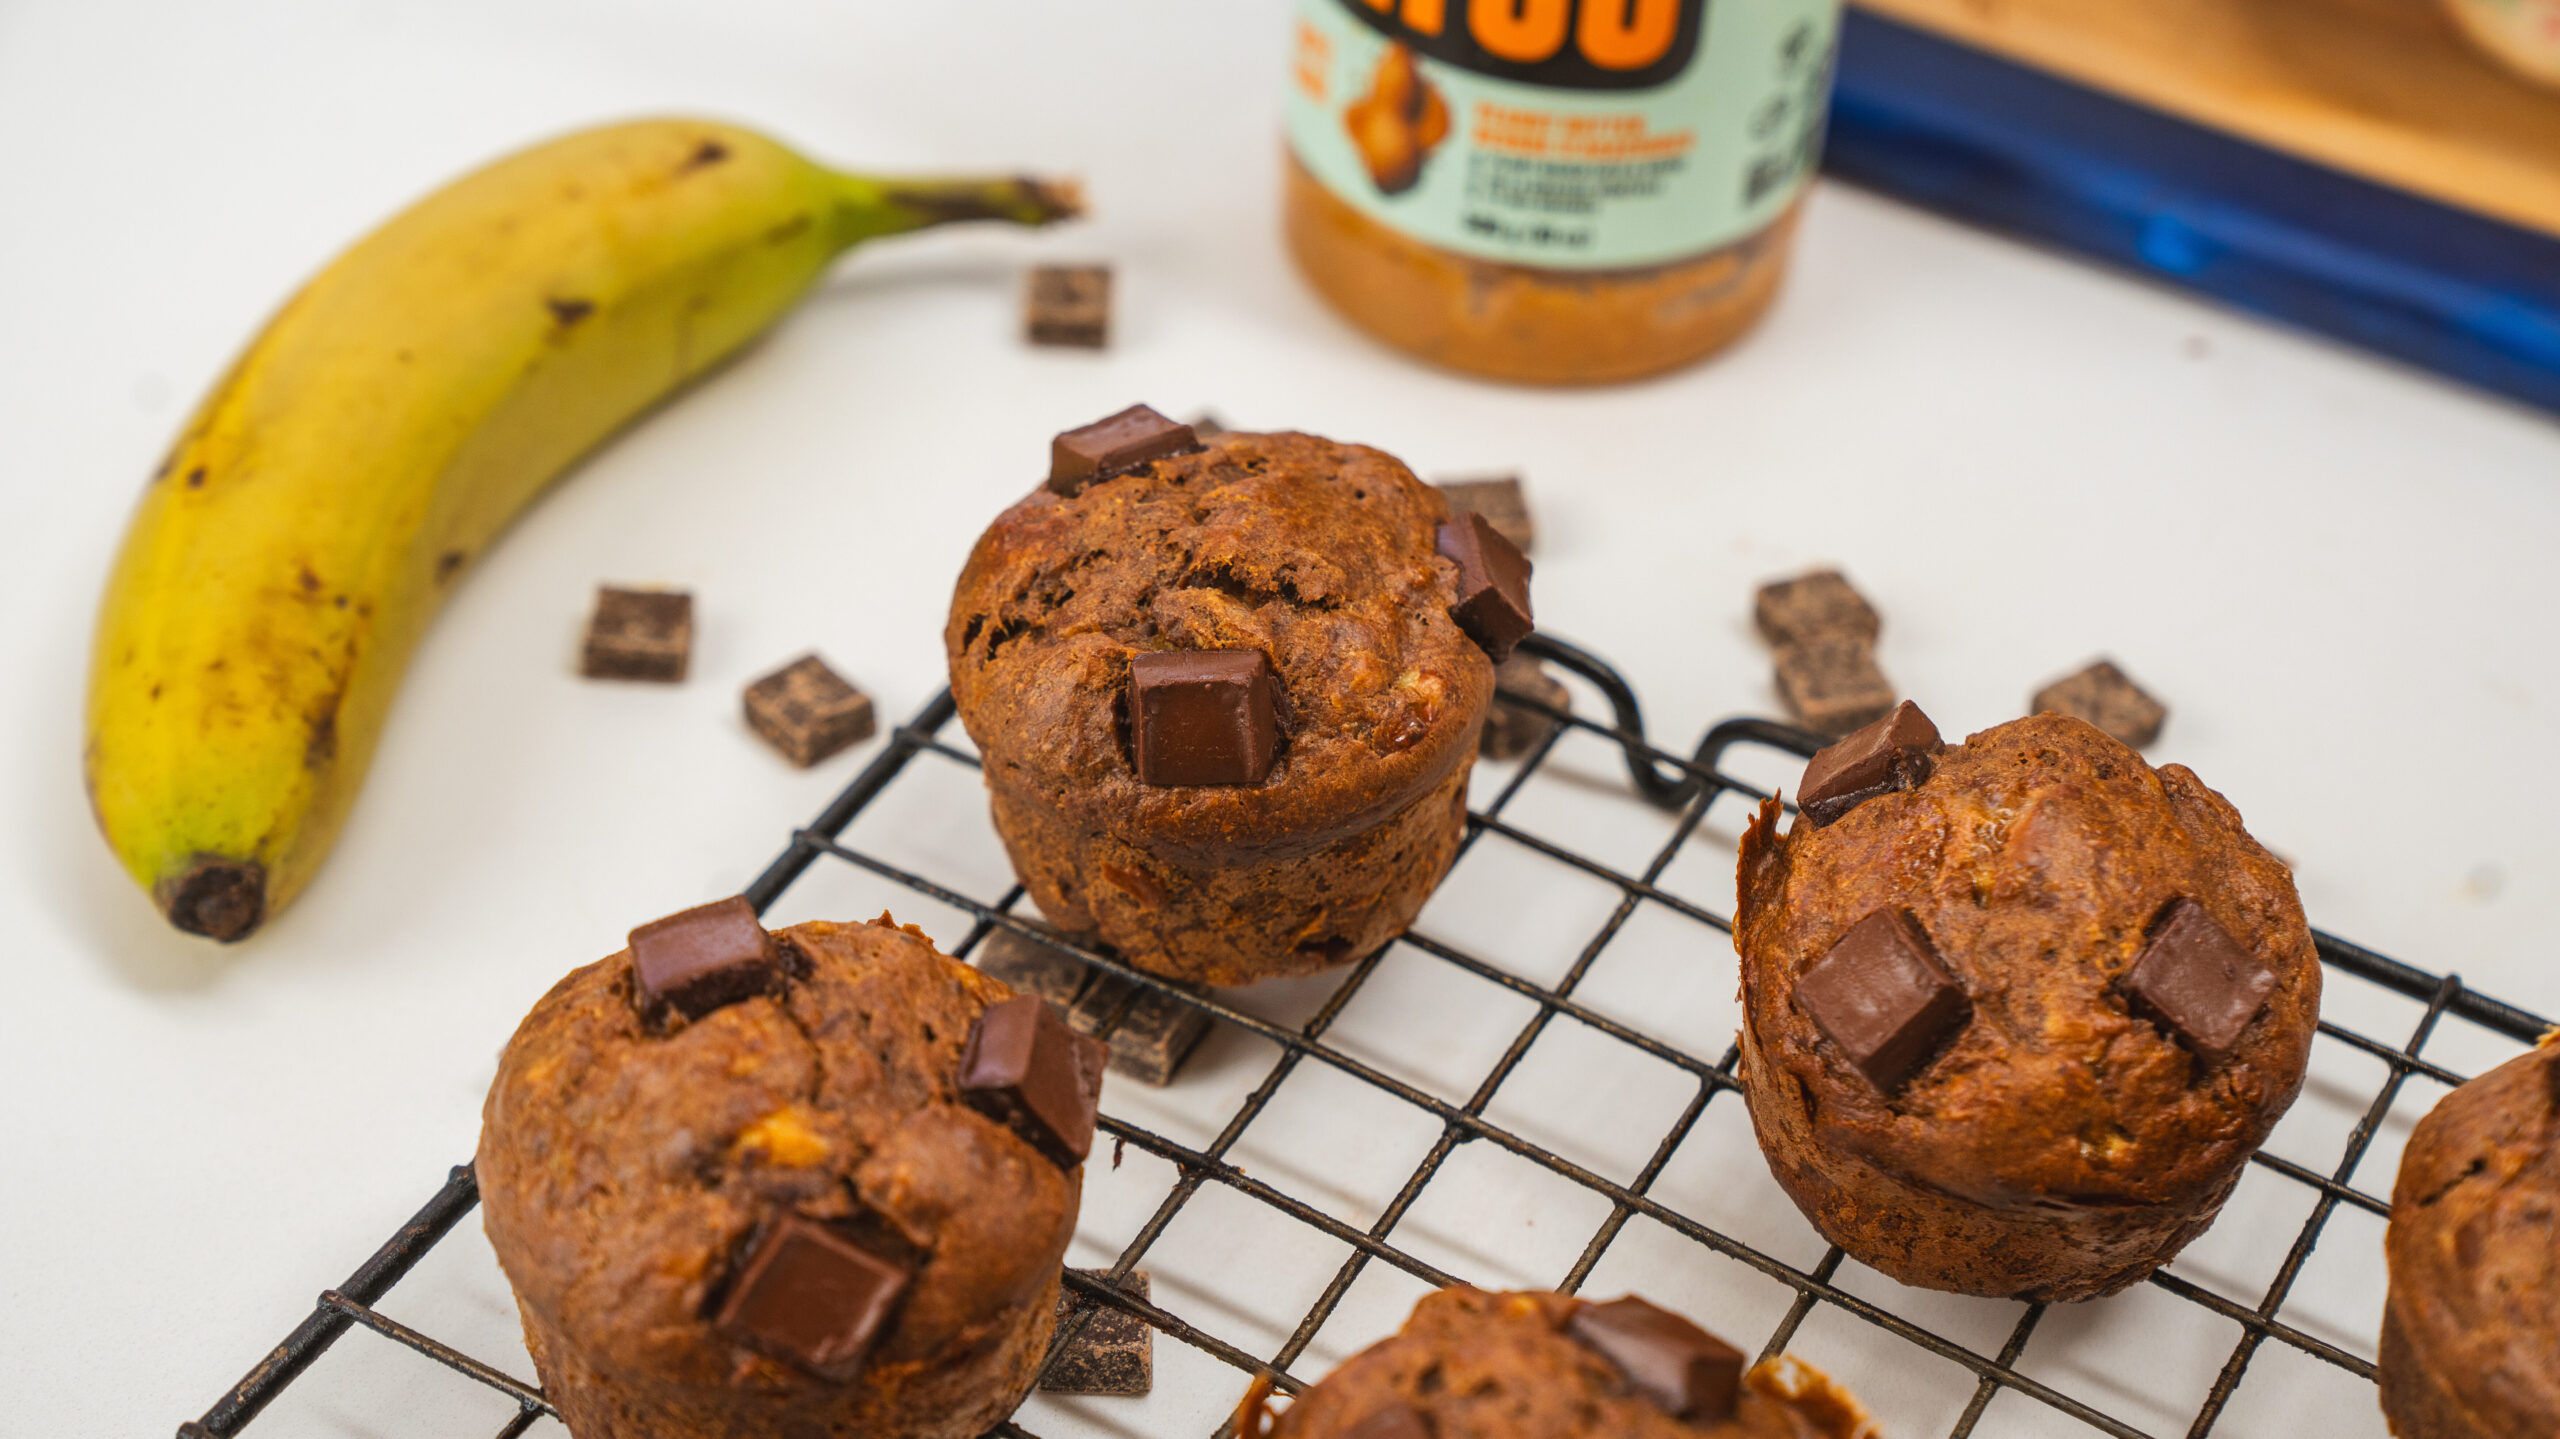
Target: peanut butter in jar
[{"x": 1554, "y": 191}]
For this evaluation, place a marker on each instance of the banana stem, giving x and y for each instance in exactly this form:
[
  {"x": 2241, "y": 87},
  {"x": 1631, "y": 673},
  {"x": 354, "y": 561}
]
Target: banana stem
[{"x": 867, "y": 207}]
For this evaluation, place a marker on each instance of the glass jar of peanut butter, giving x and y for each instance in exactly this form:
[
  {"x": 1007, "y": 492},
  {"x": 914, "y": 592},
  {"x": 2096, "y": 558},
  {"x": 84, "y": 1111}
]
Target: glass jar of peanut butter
[{"x": 1554, "y": 191}]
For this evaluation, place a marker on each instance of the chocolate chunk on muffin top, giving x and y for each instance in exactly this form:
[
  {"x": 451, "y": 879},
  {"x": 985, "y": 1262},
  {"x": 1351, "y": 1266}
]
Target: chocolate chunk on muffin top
[
  {"x": 2138, "y": 984},
  {"x": 1323, "y": 557}
]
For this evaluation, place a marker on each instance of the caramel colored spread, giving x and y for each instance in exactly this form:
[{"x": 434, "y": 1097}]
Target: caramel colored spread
[{"x": 1520, "y": 322}]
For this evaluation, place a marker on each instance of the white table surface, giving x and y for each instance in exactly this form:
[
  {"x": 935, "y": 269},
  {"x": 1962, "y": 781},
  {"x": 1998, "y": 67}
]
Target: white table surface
[{"x": 2338, "y": 572}]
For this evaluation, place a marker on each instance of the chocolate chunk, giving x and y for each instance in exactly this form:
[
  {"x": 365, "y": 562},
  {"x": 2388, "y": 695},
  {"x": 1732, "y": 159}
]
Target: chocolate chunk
[
  {"x": 1068, "y": 305},
  {"x": 1028, "y": 965},
  {"x": 1493, "y": 584},
  {"x": 1499, "y": 499},
  {"x": 702, "y": 958},
  {"x": 638, "y": 635},
  {"x": 1691, "y": 1374},
  {"x": 809, "y": 1295},
  {"x": 1833, "y": 686},
  {"x": 1149, "y": 1031},
  {"x": 1894, "y": 753},
  {"x": 2195, "y": 981},
  {"x": 1203, "y": 716},
  {"x": 1098, "y": 1010},
  {"x": 1206, "y": 426},
  {"x": 808, "y": 712},
  {"x": 1512, "y": 730},
  {"x": 1396, "y": 1421},
  {"x": 1808, "y": 608},
  {"x": 1105, "y": 448},
  {"x": 1114, "y": 1353},
  {"x": 1884, "y": 998},
  {"x": 2102, "y": 695},
  {"x": 1025, "y": 1069}
]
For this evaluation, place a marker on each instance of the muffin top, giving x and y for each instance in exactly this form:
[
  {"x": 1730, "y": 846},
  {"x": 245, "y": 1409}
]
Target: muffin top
[
  {"x": 628, "y": 1162},
  {"x": 1321, "y": 555},
  {"x": 1469, "y": 1364},
  {"x": 2475, "y": 1277},
  {"x": 2038, "y": 861}
]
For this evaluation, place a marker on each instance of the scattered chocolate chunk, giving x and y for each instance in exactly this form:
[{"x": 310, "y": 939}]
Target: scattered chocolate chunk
[
  {"x": 1833, "y": 686},
  {"x": 1493, "y": 584},
  {"x": 1068, "y": 305},
  {"x": 1099, "y": 1009},
  {"x": 1691, "y": 1374},
  {"x": 2195, "y": 981},
  {"x": 1512, "y": 730},
  {"x": 1894, "y": 753},
  {"x": 1150, "y": 1032},
  {"x": 1396, "y": 1421},
  {"x": 638, "y": 635},
  {"x": 809, "y": 1295},
  {"x": 1499, "y": 499},
  {"x": 1883, "y": 997},
  {"x": 1203, "y": 716},
  {"x": 1206, "y": 426},
  {"x": 1819, "y": 606},
  {"x": 808, "y": 712},
  {"x": 1155, "y": 1031},
  {"x": 2105, "y": 697},
  {"x": 1025, "y": 1069},
  {"x": 1114, "y": 1353},
  {"x": 1028, "y": 965},
  {"x": 702, "y": 958},
  {"x": 1114, "y": 446}
]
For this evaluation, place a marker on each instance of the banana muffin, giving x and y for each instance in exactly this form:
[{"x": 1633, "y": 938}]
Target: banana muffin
[
  {"x": 1475, "y": 1365},
  {"x": 2471, "y": 1333},
  {"x": 2016, "y": 1011},
  {"x": 1228, "y": 693},
  {"x": 812, "y": 1181}
]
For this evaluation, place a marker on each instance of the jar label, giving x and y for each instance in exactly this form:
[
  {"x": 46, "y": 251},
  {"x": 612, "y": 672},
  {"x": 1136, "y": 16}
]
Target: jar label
[{"x": 1565, "y": 134}]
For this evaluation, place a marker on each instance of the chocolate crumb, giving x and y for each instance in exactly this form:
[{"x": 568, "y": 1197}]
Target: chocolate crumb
[
  {"x": 1114, "y": 1353},
  {"x": 1068, "y": 305}
]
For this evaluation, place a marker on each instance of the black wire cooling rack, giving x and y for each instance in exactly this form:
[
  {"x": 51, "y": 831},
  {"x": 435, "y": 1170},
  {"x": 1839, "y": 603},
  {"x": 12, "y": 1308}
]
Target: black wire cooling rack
[{"x": 1688, "y": 788}]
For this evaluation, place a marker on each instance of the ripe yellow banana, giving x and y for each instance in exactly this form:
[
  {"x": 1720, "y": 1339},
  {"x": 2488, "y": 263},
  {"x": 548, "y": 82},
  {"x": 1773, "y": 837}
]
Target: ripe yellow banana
[{"x": 380, "y": 432}]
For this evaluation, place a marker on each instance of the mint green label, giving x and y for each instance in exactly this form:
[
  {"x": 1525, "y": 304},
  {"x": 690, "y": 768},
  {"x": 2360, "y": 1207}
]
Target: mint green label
[{"x": 1530, "y": 131}]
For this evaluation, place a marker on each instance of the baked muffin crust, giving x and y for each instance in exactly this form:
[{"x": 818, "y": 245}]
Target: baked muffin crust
[
  {"x": 626, "y": 1167},
  {"x": 1321, "y": 555},
  {"x": 1470, "y": 1364},
  {"x": 2060, "y": 1146},
  {"x": 2471, "y": 1333}
]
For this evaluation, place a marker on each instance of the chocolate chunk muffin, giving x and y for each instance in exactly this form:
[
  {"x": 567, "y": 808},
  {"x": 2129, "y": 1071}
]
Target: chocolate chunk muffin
[
  {"x": 1228, "y": 693},
  {"x": 2016, "y": 1011},
  {"x": 2471, "y": 1333},
  {"x": 817, "y": 1181},
  {"x": 1474, "y": 1365}
]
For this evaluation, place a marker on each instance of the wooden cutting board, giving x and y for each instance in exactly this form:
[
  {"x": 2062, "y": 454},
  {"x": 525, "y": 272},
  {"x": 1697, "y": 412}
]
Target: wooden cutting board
[{"x": 2385, "y": 89}]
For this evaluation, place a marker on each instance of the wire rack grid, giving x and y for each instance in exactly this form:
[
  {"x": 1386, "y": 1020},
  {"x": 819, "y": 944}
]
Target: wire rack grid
[{"x": 1989, "y": 1361}]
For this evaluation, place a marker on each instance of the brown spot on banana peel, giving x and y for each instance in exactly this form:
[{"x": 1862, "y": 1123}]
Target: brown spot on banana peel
[
  {"x": 705, "y": 155},
  {"x": 566, "y": 313},
  {"x": 195, "y": 478},
  {"x": 448, "y": 565},
  {"x": 310, "y": 581},
  {"x": 321, "y": 749},
  {"x": 219, "y": 898}
]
